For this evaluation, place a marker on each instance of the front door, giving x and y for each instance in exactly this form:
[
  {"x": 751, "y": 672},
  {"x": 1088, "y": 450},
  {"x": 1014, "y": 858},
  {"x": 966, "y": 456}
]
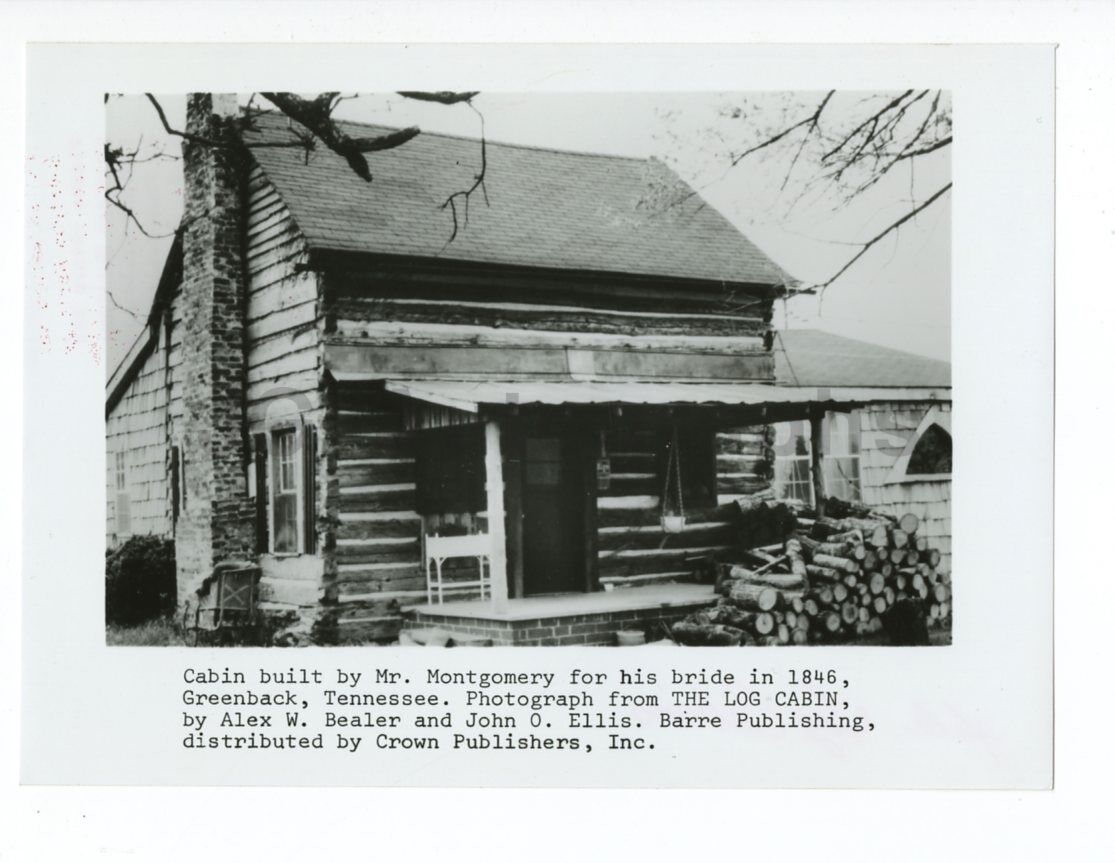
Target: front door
[{"x": 553, "y": 489}]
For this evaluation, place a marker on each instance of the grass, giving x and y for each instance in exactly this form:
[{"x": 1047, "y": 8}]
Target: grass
[{"x": 162, "y": 632}]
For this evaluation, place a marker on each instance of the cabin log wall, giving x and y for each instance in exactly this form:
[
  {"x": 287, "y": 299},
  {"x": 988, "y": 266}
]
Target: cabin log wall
[
  {"x": 633, "y": 548},
  {"x": 378, "y": 532}
]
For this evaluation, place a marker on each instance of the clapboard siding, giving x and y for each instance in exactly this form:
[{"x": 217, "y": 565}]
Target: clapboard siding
[
  {"x": 284, "y": 356},
  {"x": 136, "y": 427},
  {"x": 885, "y": 431},
  {"x": 283, "y": 324}
]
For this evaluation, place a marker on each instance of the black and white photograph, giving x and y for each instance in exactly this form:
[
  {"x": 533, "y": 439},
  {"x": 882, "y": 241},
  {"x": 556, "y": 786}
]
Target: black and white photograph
[
  {"x": 647, "y": 331},
  {"x": 649, "y": 353},
  {"x": 472, "y": 368}
]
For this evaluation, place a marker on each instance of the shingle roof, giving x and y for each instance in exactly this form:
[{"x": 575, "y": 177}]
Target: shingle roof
[
  {"x": 815, "y": 358},
  {"x": 548, "y": 208}
]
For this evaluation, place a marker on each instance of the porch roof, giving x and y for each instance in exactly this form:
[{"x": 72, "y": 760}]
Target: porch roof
[{"x": 470, "y": 395}]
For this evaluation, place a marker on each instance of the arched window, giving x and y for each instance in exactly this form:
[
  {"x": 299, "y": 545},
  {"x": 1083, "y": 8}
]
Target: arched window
[
  {"x": 928, "y": 452},
  {"x": 932, "y": 453}
]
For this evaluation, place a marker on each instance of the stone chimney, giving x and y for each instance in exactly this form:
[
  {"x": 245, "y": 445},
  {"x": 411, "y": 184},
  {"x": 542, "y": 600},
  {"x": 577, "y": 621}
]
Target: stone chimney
[{"x": 216, "y": 521}]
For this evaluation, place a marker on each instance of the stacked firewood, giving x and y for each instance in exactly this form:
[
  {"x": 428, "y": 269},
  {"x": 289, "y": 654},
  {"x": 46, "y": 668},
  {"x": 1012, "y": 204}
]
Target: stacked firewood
[{"x": 863, "y": 575}]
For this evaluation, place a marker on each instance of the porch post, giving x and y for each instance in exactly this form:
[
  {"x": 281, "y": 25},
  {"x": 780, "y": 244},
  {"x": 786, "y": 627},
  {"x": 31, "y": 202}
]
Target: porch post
[
  {"x": 493, "y": 464},
  {"x": 816, "y": 417}
]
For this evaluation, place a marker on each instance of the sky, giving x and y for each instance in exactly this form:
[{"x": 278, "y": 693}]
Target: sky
[{"x": 897, "y": 295}]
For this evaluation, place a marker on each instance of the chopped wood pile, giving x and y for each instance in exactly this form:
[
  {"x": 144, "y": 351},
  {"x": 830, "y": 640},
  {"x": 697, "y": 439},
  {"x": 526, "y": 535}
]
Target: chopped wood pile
[{"x": 860, "y": 576}]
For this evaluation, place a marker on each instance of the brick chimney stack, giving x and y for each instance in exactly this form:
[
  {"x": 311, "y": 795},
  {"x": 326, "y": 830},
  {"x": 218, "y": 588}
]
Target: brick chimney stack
[{"x": 216, "y": 522}]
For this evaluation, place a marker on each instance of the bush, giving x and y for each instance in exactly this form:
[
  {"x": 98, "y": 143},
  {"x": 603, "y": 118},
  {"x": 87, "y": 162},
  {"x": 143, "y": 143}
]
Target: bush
[{"x": 140, "y": 581}]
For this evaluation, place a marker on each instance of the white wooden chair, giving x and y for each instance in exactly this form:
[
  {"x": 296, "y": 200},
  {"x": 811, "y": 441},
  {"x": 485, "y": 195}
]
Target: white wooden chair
[{"x": 442, "y": 548}]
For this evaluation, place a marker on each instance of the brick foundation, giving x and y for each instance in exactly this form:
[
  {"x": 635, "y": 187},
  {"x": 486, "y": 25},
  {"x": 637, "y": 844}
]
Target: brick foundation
[{"x": 597, "y": 628}]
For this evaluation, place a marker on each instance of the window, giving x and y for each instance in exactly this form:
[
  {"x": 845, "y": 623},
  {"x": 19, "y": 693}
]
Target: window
[
  {"x": 792, "y": 476},
  {"x": 450, "y": 475},
  {"x": 123, "y": 500},
  {"x": 284, "y": 499},
  {"x": 932, "y": 454},
  {"x": 840, "y": 436},
  {"x": 290, "y": 489},
  {"x": 928, "y": 452}
]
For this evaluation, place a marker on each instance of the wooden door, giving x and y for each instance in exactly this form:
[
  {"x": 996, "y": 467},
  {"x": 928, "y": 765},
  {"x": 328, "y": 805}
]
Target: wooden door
[{"x": 553, "y": 502}]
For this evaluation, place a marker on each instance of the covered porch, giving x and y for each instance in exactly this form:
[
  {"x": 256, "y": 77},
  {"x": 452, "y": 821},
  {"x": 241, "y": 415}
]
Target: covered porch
[{"x": 582, "y": 509}]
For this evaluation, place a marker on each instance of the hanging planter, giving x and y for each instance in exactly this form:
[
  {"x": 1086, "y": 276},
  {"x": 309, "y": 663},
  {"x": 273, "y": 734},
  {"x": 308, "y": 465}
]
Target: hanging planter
[{"x": 673, "y": 521}]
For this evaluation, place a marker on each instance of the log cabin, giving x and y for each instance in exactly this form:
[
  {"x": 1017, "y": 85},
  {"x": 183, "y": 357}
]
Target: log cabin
[{"x": 336, "y": 375}]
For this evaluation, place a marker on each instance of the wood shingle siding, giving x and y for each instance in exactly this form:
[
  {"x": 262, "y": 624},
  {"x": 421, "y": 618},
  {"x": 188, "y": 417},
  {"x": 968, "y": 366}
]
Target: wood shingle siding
[
  {"x": 886, "y": 430},
  {"x": 136, "y": 427}
]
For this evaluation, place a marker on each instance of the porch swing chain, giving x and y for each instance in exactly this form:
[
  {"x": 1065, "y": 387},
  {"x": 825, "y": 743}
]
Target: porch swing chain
[{"x": 673, "y": 467}]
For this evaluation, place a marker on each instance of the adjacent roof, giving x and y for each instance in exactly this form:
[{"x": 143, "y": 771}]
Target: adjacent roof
[
  {"x": 469, "y": 395},
  {"x": 547, "y": 208},
  {"x": 815, "y": 358}
]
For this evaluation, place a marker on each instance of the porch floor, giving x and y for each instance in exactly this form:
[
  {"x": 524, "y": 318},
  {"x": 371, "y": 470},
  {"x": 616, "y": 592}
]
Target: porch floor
[
  {"x": 574, "y": 619},
  {"x": 574, "y": 604}
]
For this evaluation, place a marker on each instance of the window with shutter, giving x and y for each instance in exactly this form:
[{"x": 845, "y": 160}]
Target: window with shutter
[
  {"x": 309, "y": 489},
  {"x": 262, "y": 487},
  {"x": 284, "y": 496}
]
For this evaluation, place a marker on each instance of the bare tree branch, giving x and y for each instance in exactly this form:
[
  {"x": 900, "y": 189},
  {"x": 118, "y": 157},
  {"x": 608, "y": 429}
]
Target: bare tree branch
[
  {"x": 116, "y": 303},
  {"x": 913, "y": 154},
  {"x": 894, "y": 226},
  {"x": 812, "y": 128},
  {"x": 297, "y": 142},
  {"x": 810, "y": 121},
  {"x": 442, "y": 97},
  {"x": 477, "y": 183},
  {"x": 874, "y": 118},
  {"x": 115, "y": 159},
  {"x": 316, "y": 115}
]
